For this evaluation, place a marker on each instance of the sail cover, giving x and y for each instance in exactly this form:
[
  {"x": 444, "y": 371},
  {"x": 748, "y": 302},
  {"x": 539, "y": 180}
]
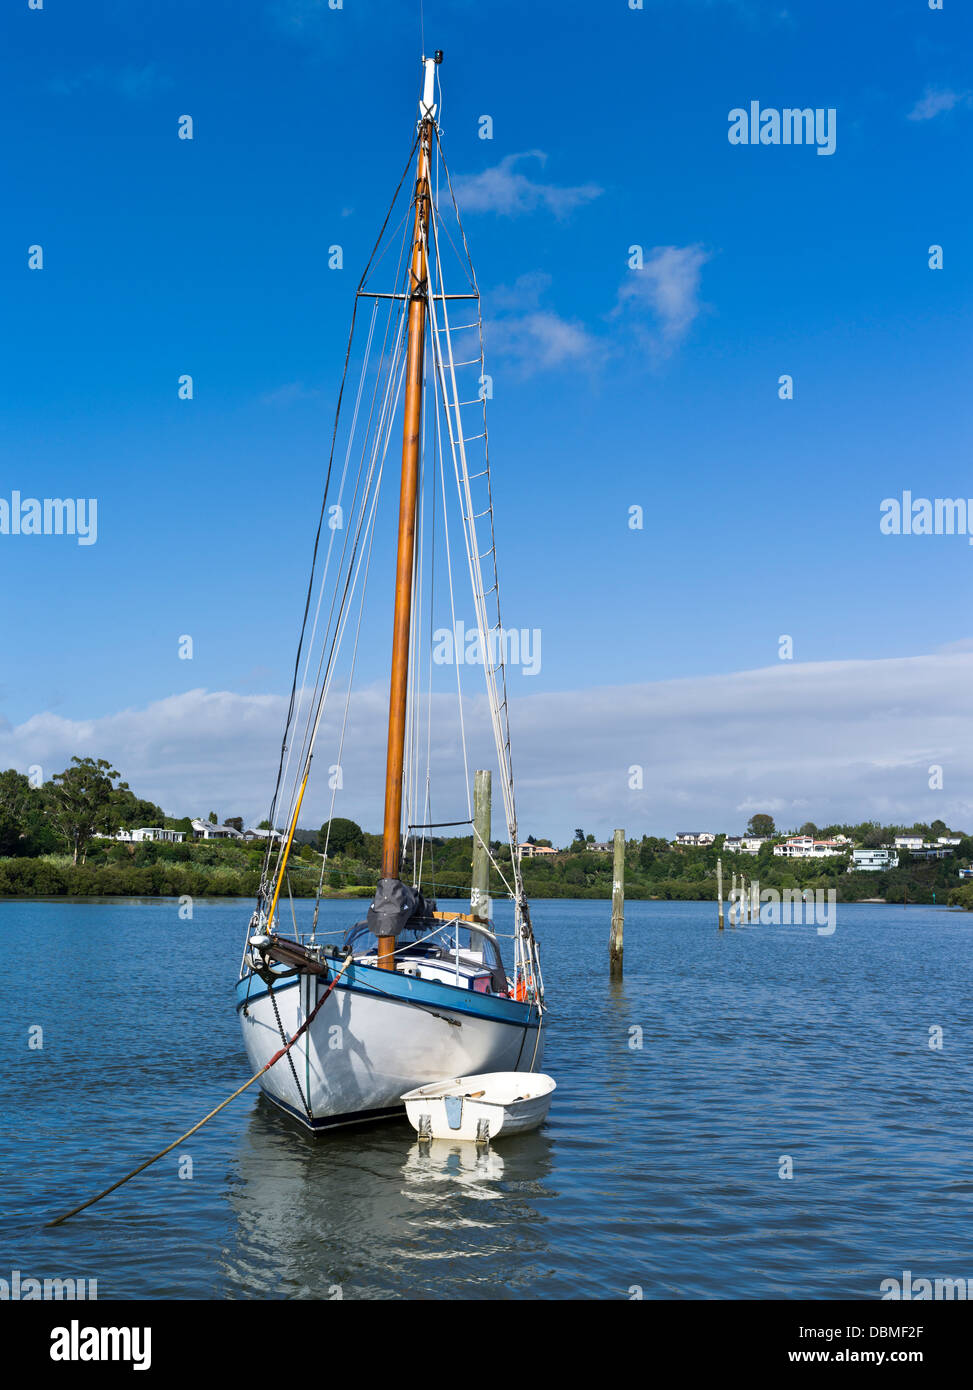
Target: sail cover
[{"x": 394, "y": 904}]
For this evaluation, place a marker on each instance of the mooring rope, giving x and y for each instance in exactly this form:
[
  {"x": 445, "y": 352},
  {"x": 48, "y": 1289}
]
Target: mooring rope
[{"x": 239, "y": 1091}]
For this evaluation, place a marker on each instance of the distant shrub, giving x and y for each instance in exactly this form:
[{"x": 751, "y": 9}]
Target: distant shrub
[{"x": 27, "y": 878}]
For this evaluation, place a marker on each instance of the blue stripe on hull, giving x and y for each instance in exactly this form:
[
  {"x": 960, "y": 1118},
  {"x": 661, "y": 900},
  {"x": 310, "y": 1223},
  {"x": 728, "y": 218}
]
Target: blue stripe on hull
[{"x": 407, "y": 989}]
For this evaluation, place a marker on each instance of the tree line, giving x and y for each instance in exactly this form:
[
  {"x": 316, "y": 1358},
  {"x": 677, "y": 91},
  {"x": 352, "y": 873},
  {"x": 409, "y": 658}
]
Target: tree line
[
  {"x": 80, "y": 810},
  {"x": 85, "y": 800}
]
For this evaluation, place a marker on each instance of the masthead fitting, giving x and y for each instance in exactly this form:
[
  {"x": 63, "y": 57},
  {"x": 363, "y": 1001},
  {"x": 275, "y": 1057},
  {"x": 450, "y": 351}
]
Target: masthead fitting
[{"x": 427, "y": 106}]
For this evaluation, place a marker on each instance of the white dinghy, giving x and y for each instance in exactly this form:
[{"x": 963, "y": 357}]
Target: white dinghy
[{"x": 479, "y": 1108}]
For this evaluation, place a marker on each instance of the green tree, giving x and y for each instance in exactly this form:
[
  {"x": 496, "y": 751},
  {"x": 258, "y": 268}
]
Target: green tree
[
  {"x": 341, "y": 836},
  {"x": 761, "y": 825},
  {"x": 213, "y": 818},
  {"x": 126, "y": 811},
  {"x": 83, "y": 799},
  {"x": 371, "y": 850},
  {"x": 15, "y": 789}
]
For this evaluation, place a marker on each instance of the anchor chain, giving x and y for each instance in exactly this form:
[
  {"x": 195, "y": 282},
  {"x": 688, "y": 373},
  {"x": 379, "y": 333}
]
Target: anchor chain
[{"x": 290, "y": 1059}]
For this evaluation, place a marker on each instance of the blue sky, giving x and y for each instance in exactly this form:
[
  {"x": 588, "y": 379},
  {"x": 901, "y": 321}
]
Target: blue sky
[{"x": 164, "y": 256}]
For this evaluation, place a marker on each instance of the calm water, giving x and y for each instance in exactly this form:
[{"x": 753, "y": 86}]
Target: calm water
[{"x": 658, "y": 1166}]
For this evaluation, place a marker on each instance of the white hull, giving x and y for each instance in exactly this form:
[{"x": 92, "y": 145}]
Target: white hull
[{"x": 363, "y": 1051}]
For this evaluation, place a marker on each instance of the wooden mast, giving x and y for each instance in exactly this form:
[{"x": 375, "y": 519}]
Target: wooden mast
[{"x": 408, "y": 495}]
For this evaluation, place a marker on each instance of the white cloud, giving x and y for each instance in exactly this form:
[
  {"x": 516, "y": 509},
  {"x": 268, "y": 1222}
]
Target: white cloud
[
  {"x": 827, "y": 741},
  {"x": 935, "y": 100},
  {"x": 541, "y": 339},
  {"x": 657, "y": 305},
  {"x": 525, "y": 293},
  {"x": 519, "y": 328},
  {"x": 289, "y": 393},
  {"x": 504, "y": 189},
  {"x": 667, "y": 288}
]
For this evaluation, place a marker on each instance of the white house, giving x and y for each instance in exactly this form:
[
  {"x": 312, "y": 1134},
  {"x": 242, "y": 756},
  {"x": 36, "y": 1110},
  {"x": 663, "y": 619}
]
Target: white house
[
  {"x": 948, "y": 839},
  {"x": 204, "y": 830},
  {"x": 694, "y": 838},
  {"x": 797, "y": 847},
  {"x": 805, "y": 847},
  {"x": 873, "y": 860},
  {"x": 529, "y": 851},
  {"x": 153, "y": 832},
  {"x": 744, "y": 844},
  {"x": 823, "y": 848},
  {"x": 908, "y": 842}
]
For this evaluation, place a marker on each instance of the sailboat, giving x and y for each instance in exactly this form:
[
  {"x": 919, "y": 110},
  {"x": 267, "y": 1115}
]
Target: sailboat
[{"x": 412, "y": 994}]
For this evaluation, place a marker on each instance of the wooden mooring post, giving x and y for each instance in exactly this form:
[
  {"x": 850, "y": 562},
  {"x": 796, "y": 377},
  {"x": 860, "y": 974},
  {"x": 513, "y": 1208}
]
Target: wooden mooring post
[
  {"x": 719, "y": 890},
  {"x": 480, "y": 882},
  {"x": 615, "y": 944}
]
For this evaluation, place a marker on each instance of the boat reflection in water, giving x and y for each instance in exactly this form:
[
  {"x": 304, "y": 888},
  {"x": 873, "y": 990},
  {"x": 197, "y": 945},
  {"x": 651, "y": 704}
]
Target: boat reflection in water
[{"x": 376, "y": 1214}]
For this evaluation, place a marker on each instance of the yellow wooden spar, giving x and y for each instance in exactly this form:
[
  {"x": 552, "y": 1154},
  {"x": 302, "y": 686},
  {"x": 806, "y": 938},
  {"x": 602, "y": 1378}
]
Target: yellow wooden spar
[{"x": 287, "y": 847}]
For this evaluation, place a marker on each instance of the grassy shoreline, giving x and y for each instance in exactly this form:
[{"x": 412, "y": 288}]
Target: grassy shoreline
[{"x": 223, "y": 870}]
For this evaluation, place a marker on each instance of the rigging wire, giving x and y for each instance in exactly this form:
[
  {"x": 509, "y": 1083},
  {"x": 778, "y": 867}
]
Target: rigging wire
[
  {"x": 324, "y": 502},
  {"x": 441, "y": 383}
]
